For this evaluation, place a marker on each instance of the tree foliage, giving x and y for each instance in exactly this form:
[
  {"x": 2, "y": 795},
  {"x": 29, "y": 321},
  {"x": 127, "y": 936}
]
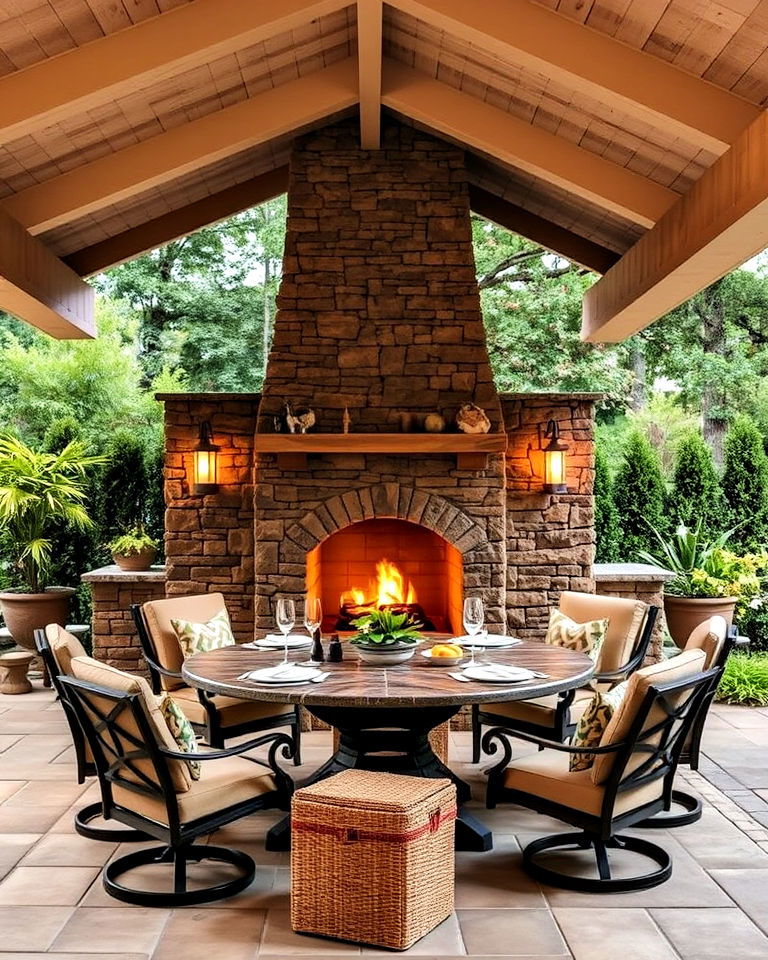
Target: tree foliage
[
  {"x": 695, "y": 496},
  {"x": 639, "y": 497},
  {"x": 607, "y": 529},
  {"x": 745, "y": 485}
]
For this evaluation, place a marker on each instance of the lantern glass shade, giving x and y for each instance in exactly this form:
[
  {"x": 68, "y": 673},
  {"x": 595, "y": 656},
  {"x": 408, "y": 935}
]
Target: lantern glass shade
[
  {"x": 555, "y": 461},
  {"x": 206, "y": 462}
]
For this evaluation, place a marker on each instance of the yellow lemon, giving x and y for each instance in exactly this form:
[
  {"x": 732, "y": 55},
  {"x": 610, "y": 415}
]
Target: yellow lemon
[{"x": 446, "y": 650}]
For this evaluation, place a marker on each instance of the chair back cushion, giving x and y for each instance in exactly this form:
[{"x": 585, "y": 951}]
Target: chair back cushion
[
  {"x": 625, "y": 617},
  {"x": 158, "y": 614},
  {"x": 102, "y": 675},
  {"x": 684, "y": 665},
  {"x": 710, "y": 637},
  {"x": 64, "y": 647}
]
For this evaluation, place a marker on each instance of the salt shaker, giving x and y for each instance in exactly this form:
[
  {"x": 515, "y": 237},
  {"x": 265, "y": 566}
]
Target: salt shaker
[
  {"x": 335, "y": 653},
  {"x": 317, "y": 655}
]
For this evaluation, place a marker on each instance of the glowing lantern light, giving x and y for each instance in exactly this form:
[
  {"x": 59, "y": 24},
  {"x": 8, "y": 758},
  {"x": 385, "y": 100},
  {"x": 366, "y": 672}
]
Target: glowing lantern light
[
  {"x": 554, "y": 460},
  {"x": 206, "y": 456}
]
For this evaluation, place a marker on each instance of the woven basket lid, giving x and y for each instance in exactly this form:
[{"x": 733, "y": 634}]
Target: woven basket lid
[{"x": 373, "y": 790}]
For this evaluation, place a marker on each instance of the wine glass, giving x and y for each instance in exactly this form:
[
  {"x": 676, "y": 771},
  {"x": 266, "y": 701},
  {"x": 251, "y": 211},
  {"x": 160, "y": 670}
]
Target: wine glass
[
  {"x": 313, "y": 617},
  {"x": 474, "y": 618},
  {"x": 286, "y": 618}
]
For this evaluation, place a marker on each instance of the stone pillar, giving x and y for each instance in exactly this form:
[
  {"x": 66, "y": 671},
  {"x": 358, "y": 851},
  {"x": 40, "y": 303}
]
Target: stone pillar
[{"x": 641, "y": 581}]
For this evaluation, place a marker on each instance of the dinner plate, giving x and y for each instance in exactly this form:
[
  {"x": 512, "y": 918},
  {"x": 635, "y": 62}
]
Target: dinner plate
[
  {"x": 281, "y": 676},
  {"x": 278, "y": 643},
  {"x": 489, "y": 641},
  {"x": 498, "y": 674}
]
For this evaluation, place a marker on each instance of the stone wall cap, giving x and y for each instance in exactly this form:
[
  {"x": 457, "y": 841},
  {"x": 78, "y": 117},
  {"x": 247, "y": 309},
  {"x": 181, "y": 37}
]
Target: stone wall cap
[
  {"x": 555, "y": 394},
  {"x": 113, "y": 574},
  {"x": 630, "y": 572},
  {"x": 208, "y": 396}
]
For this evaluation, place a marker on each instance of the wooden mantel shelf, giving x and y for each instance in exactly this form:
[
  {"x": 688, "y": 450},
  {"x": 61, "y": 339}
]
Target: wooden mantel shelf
[{"x": 471, "y": 449}]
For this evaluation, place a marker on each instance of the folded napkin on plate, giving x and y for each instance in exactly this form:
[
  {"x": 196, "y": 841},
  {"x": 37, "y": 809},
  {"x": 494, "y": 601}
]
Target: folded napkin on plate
[{"x": 292, "y": 638}]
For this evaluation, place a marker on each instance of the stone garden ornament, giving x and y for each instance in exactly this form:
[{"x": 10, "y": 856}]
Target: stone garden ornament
[{"x": 472, "y": 419}]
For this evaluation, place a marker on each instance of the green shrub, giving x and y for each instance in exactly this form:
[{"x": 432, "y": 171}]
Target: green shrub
[
  {"x": 638, "y": 493},
  {"x": 695, "y": 497},
  {"x": 607, "y": 530},
  {"x": 745, "y": 680},
  {"x": 745, "y": 485},
  {"x": 752, "y": 619}
]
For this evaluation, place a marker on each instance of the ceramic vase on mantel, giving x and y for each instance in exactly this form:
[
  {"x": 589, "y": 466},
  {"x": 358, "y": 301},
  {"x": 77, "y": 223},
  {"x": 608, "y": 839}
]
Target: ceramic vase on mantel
[{"x": 684, "y": 614}]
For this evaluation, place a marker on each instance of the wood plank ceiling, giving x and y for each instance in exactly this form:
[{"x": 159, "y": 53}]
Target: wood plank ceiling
[{"x": 624, "y": 134}]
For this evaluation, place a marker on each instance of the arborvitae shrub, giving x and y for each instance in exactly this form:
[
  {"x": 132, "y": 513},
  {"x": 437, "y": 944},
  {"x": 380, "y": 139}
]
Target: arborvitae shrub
[
  {"x": 696, "y": 495},
  {"x": 638, "y": 493},
  {"x": 745, "y": 485},
  {"x": 124, "y": 486},
  {"x": 607, "y": 530}
]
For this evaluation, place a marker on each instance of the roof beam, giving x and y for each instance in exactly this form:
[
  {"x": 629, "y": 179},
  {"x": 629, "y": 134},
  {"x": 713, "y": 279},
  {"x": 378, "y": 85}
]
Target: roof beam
[
  {"x": 594, "y": 64},
  {"x": 494, "y": 132},
  {"x": 199, "y": 32},
  {"x": 183, "y": 149},
  {"x": 37, "y": 287},
  {"x": 560, "y": 241},
  {"x": 178, "y": 223},
  {"x": 369, "y": 24},
  {"x": 715, "y": 227}
]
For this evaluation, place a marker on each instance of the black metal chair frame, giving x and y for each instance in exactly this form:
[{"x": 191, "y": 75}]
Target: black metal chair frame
[
  {"x": 85, "y": 768},
  {"x": 562, "y": 728},
  {"x": 117, "y": 751},
  {"x": 214, "y": 732},
  {"x": 601, "y": 832}
]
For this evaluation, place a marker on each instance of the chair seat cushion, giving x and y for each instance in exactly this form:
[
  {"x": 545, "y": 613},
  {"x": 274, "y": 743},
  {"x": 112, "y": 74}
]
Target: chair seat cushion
[
  {"x": 232, "y": 710},
  {"x": 542, "y": 710},
  {"x": 223, "y": 783},
  {"x": 546, "y": 775}
]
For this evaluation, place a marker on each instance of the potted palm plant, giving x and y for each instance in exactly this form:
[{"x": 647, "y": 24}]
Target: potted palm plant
[
  {"x": 39, "y": 492},
  {"x": 133, "y": 550},
  {"x": 385, "y": 638},
  {"x": 709, "y": 579}
]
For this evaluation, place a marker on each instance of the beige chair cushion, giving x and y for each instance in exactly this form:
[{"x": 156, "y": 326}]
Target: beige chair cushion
[
  {"x": 102, "y": 675},
  {"x": 546, "y": 775},
  {"x": 541, "y": 710},
  {"x": 222, "y": 784},
  {"x": 231, "y": 710},
  {"x": 64, "y": 646},
  {"x": 158, "y": 615},
  {"x": 709, "y": 636},
  {"x": 625, "y": 621},
  {"x": 684, "y": 665}
]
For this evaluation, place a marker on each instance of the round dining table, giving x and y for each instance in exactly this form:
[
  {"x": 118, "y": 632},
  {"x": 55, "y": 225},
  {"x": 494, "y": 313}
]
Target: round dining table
[{"x": 384, "y": 714}]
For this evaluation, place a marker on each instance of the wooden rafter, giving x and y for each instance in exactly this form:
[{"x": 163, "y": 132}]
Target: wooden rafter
[
  {"x": 178, "y": 223},
  {"x": 590, "y": 62},
  {"x": 178, "y": 151},
  {"x": 563, "y": 242},
  {"x": 116, "y": 65},
  {"x": 369, "y": 28},
  {"x": 37, "y": 287},
  {"x": 715, "y": 227},
  {"x": 494, "y": 132}
]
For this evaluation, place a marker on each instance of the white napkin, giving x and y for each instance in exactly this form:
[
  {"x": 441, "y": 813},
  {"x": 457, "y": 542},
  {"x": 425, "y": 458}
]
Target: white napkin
[{"x": 292, "y": 638}]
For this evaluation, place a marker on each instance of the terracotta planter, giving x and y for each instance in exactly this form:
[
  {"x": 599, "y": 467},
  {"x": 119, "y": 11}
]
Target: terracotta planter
[
  {"x": 684, "y": 614},
  {"x": 136, "y": 561},
  {"x": 26, "y": 612}
]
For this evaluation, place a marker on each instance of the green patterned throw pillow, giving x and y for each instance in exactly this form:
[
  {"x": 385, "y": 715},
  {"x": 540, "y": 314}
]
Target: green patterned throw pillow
[
  {"x": 582, "y": 637},
  {"x": 594, "y": 720},
  {"x": 181, "y": 731},
  {"x": 202, "y": 637}
]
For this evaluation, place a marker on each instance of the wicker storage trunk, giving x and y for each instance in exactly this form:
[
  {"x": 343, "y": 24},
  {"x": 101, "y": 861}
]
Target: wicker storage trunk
[{"x": 372, "y": 857}]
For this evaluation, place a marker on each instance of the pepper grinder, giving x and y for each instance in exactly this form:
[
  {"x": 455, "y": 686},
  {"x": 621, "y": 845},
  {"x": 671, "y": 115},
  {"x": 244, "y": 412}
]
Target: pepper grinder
[
  {"x": 335, "y": 653},
  {"x": 318, "y": 654}
]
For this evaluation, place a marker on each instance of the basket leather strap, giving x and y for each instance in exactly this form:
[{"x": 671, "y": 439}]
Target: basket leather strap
[{"x": 354, "y": 834}]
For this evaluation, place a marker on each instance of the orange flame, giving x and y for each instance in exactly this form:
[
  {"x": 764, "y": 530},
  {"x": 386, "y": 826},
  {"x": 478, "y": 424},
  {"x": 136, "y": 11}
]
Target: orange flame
[{"x": 390, "y": 586}]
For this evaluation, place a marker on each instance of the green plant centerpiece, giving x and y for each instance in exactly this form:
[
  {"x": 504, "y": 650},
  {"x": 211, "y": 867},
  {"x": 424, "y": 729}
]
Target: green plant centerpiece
[
  {"x": 709, "y": 579},
  {"x": 385, "y": 638},
  {"x": 39, "y": 494},
  {"x": 133, "y": 550}
]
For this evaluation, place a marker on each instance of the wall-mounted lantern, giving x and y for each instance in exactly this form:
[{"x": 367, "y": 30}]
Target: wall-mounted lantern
[
  {"x": 554, "y": 460},
  {"x": 206, "y": 456}
]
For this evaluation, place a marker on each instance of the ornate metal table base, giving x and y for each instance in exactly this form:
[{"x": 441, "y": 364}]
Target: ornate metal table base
[{"x": 396, "y": 740}]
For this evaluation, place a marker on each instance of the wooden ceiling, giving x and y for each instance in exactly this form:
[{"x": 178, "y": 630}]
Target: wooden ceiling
[{"x": 627, "y": 135}]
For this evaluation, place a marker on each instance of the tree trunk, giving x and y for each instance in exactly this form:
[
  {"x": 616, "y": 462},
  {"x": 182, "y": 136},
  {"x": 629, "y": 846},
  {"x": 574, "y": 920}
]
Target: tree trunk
[
  {"x": 638, "y": 395},
  {"x": 714, "y": 424}
]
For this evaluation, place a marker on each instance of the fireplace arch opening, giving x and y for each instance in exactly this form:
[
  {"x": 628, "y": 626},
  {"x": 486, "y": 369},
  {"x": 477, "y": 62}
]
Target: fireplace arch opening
[{"x": 387, "y": 562}]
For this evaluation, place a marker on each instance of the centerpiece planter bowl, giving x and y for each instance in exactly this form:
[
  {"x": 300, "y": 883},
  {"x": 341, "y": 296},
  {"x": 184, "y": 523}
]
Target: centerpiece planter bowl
[
  {"x": 26, "y": 612},
  {"x": 385, "y": 655},
  {"x": 385, "y": 638},
  {"x": 684, "y": 614}
]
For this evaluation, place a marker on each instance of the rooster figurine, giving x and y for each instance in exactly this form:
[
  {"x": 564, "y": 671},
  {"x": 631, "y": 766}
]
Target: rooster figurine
[
  {"x": 301, "y": 421},
  {"x": 472, "y": 419}
]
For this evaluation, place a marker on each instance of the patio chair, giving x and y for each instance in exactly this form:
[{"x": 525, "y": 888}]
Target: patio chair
[
  {"x": 146, "y": 783},
  {"x": 630, "y": 780},
  {"x": 717, "y": 640},
  {"x": 630, "y": 626},
  {"x": 57, "y": 647},
  {"x": 216, "y": 718}
]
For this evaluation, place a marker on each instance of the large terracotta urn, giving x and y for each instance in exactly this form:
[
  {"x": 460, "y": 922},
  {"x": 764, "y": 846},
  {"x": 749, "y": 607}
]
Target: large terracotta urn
[
  {"x": 26, "y": 612},
  {"x": 684, "y": 614}
]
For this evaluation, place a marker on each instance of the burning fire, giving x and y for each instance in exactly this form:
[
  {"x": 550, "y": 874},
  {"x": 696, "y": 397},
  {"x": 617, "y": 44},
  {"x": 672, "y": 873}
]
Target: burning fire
[{"x": 390, "y": 586}]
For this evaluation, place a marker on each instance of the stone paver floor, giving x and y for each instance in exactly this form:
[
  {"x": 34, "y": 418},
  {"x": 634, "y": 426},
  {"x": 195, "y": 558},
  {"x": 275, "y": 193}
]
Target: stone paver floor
[{"x": 52, "y": 903}]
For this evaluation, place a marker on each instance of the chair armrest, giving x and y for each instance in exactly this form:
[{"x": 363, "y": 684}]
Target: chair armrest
[
  {"x": 501, "y": 735},
  {"x": 174, "y": 674},
  {"x": 279, "y": 742}
]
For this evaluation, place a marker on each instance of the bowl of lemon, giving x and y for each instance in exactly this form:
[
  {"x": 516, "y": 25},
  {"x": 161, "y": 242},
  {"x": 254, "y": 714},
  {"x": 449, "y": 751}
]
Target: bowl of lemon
[{"x": 444, "y": 654}]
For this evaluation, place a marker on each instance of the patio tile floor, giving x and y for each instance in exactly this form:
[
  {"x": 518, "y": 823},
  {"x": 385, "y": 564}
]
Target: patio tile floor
[{"x": 52, "y": 903}]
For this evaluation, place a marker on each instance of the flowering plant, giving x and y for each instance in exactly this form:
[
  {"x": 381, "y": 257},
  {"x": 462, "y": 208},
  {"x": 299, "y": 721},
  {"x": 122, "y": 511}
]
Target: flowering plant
[{"x": 384, "y": 628}]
